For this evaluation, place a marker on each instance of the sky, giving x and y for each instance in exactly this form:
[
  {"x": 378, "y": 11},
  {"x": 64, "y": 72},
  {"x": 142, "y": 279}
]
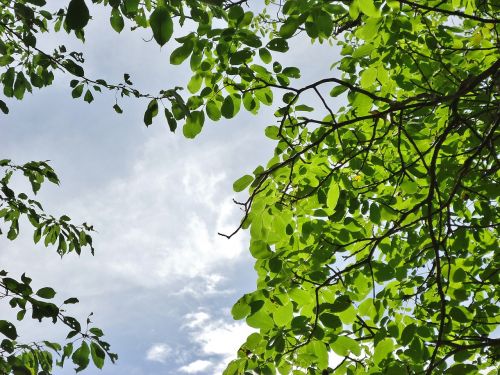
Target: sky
[{"x": 162, "y": 282}]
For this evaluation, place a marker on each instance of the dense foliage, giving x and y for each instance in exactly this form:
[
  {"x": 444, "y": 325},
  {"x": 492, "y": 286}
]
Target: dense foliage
[{"x": 375, "y": 223}]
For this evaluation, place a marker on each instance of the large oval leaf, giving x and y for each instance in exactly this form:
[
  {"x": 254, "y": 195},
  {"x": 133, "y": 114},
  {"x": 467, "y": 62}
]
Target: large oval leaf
[
  {"x": 78, "y": 15},
  {"x": 162, "y": 25}
]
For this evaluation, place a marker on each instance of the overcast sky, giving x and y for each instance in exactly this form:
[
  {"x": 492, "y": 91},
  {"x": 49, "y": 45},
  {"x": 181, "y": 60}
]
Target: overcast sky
[{"x": 162, "y": 282}]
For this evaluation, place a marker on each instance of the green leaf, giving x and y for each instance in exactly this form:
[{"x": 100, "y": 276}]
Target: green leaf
[
  {"x": 3, "y": 107},
  {"x": 47, "y": 293},
  {"x": 458, "y": 315},
  {"x": 240, "y": 309},
  {"x": 195, "y": 83},
  {"x": 182, "y": 53},
  {"x": 98, "y": 355},
  {"x": 330, "y": 320},
  {"x": 409, "y": 187},
  {"x": 463, "y": 369},
  {"x": 194, "y": 124},
  {"x": 459, "y": 275},
  {"x": 265, "y": 55},
  {"x": 289, "y": 27},
  {"x": 320, "y": 351},
  {"x": 344, "y": 345},
  {"x": 408, "y": 334},
  {"x": 77, "y": 91},
  {"x": 230, "y": 106},
  {"x": 172, "y": 123},
  {"x": 89, "y": 98},
  {"x": 151, "y": 112},
  {"x": 78, "y": 15},
  {"x": 242, "y": 183},
  {"x": 131, "y": 6},
  {"x": 382, "y": 350},
  {"x": 116, "y": 20},
  {"x": 81, "y": 357},
  {"x": 73, "y": 68},
  {"x": 333, "y": 195},
  {"x": 272, "y": 132},
  {"x": 260, "y": 319},
  {"x": 291, "y": 72},
  {"x": 324, "y": 23},
  {"x": 368, "y": 8},
  {"x": 278, "y": 44},
  {"x": 236, "y": 13},
  {"x": 265, "y": 95},
  {"x": 283, "y": 315},
  {"x": 260, "y": 250},
  {"x": 241, "y": 57},
  {"x": 161, "y": 24},
  {"x": 8, "y": 329},
  {"x": 341, "y": 303},
  {"x": 213, "y": 111},
  {"x": 375, "y": 215}
]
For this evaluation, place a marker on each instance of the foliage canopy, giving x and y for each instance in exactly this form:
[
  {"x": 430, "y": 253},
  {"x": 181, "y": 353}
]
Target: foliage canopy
[{"x": 375, "y": 223}]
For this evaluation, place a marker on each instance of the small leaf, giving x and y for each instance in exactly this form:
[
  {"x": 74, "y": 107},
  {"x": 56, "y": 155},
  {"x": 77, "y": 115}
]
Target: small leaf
[
  {"x": 47, "y": 293},
  {"x": 194, "y": 124},
  {"x": 97, "y": 354},
  {"x": 289, "y": 27},
  {"x": 213, "y": 111},
  {"x": 240, "y": 309},
  {"x": 408, "y": 334},
  {"x": 151, "y": 112},
  {"x": 260, "y": 319},
  {"x": 265, "y": 55},
  {"x": 458, "y": 315},
  {"x": 116, "y": 20},
  {"x": 283, "y": 315},
  {"x": 88, "y": 97},
  {"x": 242, "y": 183},
  {"x": 172, "y": 123},
  {"x": 81, "y": 357},
  {"x": 344, "y": 345},
  {"x": 230, "y": 106},
  {"x": 333, "y": 195},
  {"x": 182, "y": 53},
  {"x": 8, "y": 329},
  {"x": 77, "y": 91},
  {"x": 382, "y": 350},
  {"x": 341, "y": 303},
  {"x": 330, "y": 320},
  {"x": 117, "y": 108},
  {"x": 3, "y": 107},
  {"x": 337, "y": 90},
  {"x": 195, "y": 83},
  {"x": 278, "y": 44},
  {"x": 375, "y": 213},
  {"x": 368, "y": 8},
  {"x": 96, "y": 331}
]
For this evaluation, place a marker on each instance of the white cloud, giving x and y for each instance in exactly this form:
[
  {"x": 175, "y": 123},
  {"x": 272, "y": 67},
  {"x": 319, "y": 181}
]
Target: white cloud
[
  {"x": 158, "y": 225},
  {"x": 216, "y": 338},
  {"x": 208, "y": 285},
  {"x": 196, "y": 366},
  {"x": 195, "y": 320},
  {"x": 158, "y": 352}
]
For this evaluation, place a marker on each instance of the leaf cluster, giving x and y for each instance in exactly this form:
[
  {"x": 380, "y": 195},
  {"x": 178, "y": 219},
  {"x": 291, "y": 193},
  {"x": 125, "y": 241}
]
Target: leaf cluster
[{"x": 84, "y": 343}]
